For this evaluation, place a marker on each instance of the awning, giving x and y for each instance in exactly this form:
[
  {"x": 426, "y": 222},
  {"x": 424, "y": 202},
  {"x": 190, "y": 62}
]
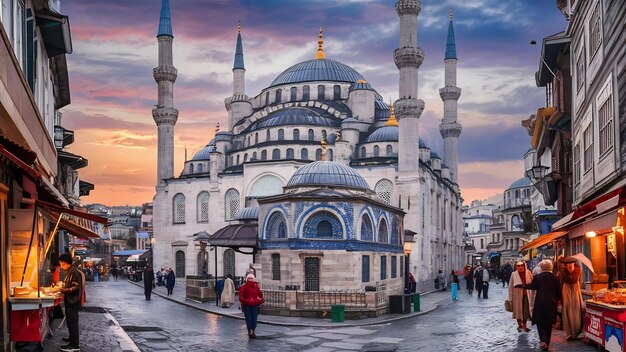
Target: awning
[
  {"x": 77, "y": 213},
  {"x": 84, "y": 187},
  {"x": 18, "y": 162},
  {"x": 598, "y": 206},
  {"x": 543, "y": 240},
  {"x": 70, "y": 226},
  {"x": 134, "y": 258},
  {"x": 601, "y": 224},
  {"x": 493, "y": 255},
  {"x": 74, "y": 161},
  {"x": 52, "y": 192},
  {"x": 55, "y": 32},
  {"x": 239, "y": 235}
]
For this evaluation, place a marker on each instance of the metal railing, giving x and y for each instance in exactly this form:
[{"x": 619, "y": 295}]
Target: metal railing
[
  {"x": 275, "y": 299},
  {"x": 315, "y": 300}
]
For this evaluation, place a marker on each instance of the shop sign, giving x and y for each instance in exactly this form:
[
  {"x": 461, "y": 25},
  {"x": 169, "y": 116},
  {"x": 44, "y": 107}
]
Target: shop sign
[
  {"x": 613, "y": 335},
  {"x": 594, "y": 328}
]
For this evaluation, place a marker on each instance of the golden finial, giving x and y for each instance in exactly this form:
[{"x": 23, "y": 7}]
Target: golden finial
[
  {"x": 392, "y": 117},
  {"x": 450, "y": 13},
  {"x": 323, "y": 142},
  {"x": 238, "y": 26},
  {"x": 320, "y": 43},
  {"x": 361, "y": 81}
]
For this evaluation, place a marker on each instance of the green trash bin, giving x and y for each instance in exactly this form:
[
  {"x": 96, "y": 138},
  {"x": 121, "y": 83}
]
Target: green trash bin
[
  {"x": 416, "y": 302},
  {"x": 338, "y": 313}
]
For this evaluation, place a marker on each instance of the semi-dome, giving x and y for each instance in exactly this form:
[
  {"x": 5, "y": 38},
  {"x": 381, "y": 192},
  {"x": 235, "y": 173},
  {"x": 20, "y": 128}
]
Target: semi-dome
[
  {"x": 381, "y": 110},
  {"x": 318, "y": 70},
  {"x": 522, "y": 182},
  {"x": 249, "y": 213},
  {"x": 388, "y": 134},
  {"x": 204, "y": 153},
  {"x": 302, "y": 116},
  {"x": 327, "y": 173}
]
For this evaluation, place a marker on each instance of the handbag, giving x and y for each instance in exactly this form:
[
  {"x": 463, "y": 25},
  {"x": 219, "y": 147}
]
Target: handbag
[{"x": 508, "y": 306}]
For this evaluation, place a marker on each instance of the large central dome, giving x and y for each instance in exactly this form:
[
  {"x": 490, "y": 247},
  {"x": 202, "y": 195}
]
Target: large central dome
[
  {"x": 327, "y": 173},
  {"x": 318, "y": 70}
]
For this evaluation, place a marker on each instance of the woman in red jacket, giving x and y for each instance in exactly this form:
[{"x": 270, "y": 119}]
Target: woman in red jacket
[{"x": 250, "y": 297}]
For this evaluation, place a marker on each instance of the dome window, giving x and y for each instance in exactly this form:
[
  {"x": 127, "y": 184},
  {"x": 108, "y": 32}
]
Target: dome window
[
  {"x": 363, "y": 152},
  {"x": 281, "y": 134},
  {"x": 231, "y": 204},
  {"x": 254, "y": 155},
  {"x": 290, "y": 154},
  {"x": 311, "y": 134},
  {"x": 383, "y": 232},
  {"x": 367, "y": 233},
  {"x": 203, "y": 207},
  {"x": 329, "y": 155},
  {"x": 384, "y": 189},
  {"x": 279, "y": 95},
  {"x": 306, "y": 93},
  {"x": 200, "y": 168},
  {"x": 267, "y": 135},
  {"x": 293, "y": 92},
  {"x": 337, "y": 92},
  {"x": 276, "y": 154},
  {"x": 304, "y": 154},
  {"x": 264, "y": 155},
  {"x": 321, "y": 92},
  {"x": 318, "y": 154},
  {"x": 296, "y": 134},
  {"x": 256, "y": 138},
  {"x": 267, "y": 98},
  {"x": 376, "y": 151},
  {"x": 179, "y": 208},
  {"x": 389, "y": 150},
  {"x": 191, "y": 168}
]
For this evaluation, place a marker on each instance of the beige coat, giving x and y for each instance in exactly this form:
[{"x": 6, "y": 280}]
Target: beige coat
[
  {"x": 228, "y": 295},
  {"x": 516, "y": 295}
]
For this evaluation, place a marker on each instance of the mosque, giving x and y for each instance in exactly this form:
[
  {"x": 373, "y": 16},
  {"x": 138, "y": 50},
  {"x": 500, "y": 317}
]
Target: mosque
[{"x": 328, "y": 186}]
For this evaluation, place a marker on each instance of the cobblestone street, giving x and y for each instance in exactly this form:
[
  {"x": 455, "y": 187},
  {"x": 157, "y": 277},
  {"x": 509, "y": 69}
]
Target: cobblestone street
[{"x": 469, "y": 323}]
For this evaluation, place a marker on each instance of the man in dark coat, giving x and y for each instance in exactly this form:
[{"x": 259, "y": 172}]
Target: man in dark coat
[
  {"x": 548, "y": 295},
  {"x": 72, "y": 289},
  {"x": 148, "y": 281},
  {"x": 170, "y": 280}
]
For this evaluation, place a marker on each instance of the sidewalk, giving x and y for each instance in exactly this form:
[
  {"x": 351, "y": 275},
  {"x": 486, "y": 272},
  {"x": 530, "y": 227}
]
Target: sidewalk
[
  {"x": 99, "y": 331},
  {"x": 429, "y": 302}
]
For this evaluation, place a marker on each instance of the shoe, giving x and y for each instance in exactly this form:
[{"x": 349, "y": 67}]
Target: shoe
[
  {"x": 519, "y": 329},
  {"x": 543, "y": 346},
  {"x": 253, "y": 335},
  {"x": 69, "y": 348},
  {"x": 526, "y": 329}
]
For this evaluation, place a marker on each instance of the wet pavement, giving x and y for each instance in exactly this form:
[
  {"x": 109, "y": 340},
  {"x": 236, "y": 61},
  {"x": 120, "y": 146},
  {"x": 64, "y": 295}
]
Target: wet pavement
[{"x": 467, "y": 324}]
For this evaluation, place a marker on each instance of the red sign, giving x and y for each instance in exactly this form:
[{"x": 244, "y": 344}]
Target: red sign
[{"x": 594, "y": 326}]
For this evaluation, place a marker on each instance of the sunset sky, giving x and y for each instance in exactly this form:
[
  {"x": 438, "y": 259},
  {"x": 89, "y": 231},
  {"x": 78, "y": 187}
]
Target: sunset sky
[{"x": 115, "y": 49}]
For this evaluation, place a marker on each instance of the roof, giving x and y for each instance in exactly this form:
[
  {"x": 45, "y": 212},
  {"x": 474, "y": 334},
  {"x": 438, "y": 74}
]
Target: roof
[
  {"x": 204, "y": 153},
  {"x": 450, "y": 44},
  {"x": 129, "y": 252},
  {"x": 360, "y": 85},
  {"x": 327, "y": 173},
  {"x": 434, "y": 155},
  {"x": 241, "y": 235},
  {"x": 249, "y": 213},
  {"x": 522, "y": 182},
  {"x": 165, "y": 20},
  {"x": 296, "y": 116},
  {"x": 239, "y": 54},
  {"x": 388, "y": 134},
  {"x": 318, "y": 70},
  {"x": 381, "y": 110}
]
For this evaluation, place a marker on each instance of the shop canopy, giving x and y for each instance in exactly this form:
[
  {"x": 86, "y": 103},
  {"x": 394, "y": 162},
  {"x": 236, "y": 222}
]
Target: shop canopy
[
  {"x": 77, "y": 223},
  {"x": 234, "y": 236},
  {"x": 543, "y": 240}
]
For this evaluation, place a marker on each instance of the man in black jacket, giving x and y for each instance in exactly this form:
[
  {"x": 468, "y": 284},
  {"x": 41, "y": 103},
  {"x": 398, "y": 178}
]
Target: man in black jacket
[{"x": 72, "y": 291}]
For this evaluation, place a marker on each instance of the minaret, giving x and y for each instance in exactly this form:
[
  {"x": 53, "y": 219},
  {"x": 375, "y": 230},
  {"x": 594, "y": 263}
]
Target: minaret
[
  {"x": 238, "y": 105},
  {"x": 165, "y": 115},
  {"x": 450, "y": 130}
]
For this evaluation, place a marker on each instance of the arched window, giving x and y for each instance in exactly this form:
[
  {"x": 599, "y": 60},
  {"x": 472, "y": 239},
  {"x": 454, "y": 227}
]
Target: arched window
[
  {"x": 245, "y": 157},
  {"x": 202, "y": 263},
  {"x": 329, "y": 155},
  {"x": 200, "y": 168},
  {"x": 281, "y": 134},
  {"x": 256, "y": 138},
  {"x": 229, "y": 262},
  {"x": 276, "y": 154},
  {"x": 311, "y": 134},
  {"x": 304, "y": 154},
  {"x": 179, "y": 208},
  {"x": 296, "y": 134},
  {"x": 267, "y": 98},
  {"x": 237, "y": 159},
  {"x": 290, "y": 153},
  {"x": 336, "y": 92},
  {"x": 318, "y": 154},
  {"x": 395, "y": 231},
  {"x": 324, "y": 229},
  {"x": 384, "y": 189},
  {"x": 383, "y": 232},
  {"x": 254, "y": 155},
  {"x": 231, "y": 203},
  {"x": 263, "y": 154},
  {"x": 180, "y": 264},
  {"x": 293, "y": 93},
  {"x": 305, "y": 93},
  {"x": 232, "y": 158},
  {"x": 266, "y": 185},
  {"x": 321, "y": 92},
  {"x": 267, "y": 135},
  {"x": 279, "y": 95},
  {"x": 363, "y": 152},
  {"x": 202, "y": 206},
  {"x": 190, "y": 168},
  {"x": 367, "y": 231},
  {"x": 276, "y": 226},
  {"x": 248, "y": 142},
  {"x": 376, "y": 151},
  {"x": 323, "y": 225},
  {"x": 389, "y": 150}
]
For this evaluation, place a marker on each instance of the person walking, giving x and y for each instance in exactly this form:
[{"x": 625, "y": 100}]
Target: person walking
[
  {"x": 73, "y": 288},
  {"x": 548, "y": 295},
  {"x": 572, "y": 298},
  {"x": 114, "y": 272},
  {"x": 159, "y": 277},
  {"x": 454, "y": 285},
  {"x": 478, "y": 279},
  {"x": 148, "y": 281},
  {"x": 469, "y": 279},
  {"x": 502, "y": 275},
  {"x": 170, "y": 281},
  {"x": 520, "y": 297},
  {"x": 486, "y": 279},
  {"x": 441, "y": 279},
  {"x": 228, "y": 293},
  {"x": 250, "y": 297}
]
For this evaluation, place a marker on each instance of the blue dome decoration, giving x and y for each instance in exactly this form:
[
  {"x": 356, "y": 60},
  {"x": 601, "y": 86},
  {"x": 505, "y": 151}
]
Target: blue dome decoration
[
  {"x": 327, "y": 173},
  {"x": 295, "y": 116},
  {"x": 204, "y": 153},
  {"x": 450, "y": 43},
  {"x": 360, "y": 85},
  {"x": 238, "y": 64},
  {"x": 165, "y": 20},
  {"x": 318, "y": 70},
  {"x": 381, "y": 110},
  {"x": 522, "y": 182},
  {"x": 388, "y": 134},
  {"x": 249, "y": 213}
]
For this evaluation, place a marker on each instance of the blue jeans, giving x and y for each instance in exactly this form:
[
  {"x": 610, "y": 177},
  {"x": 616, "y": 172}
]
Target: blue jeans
[
  {"x": 251, "y": 314},
  {"x": 455, "y": 289}
]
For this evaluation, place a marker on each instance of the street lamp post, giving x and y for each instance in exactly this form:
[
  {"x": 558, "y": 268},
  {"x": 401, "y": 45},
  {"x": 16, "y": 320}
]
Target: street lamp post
[
  {"x": 408, "y": 246},
  {"x": 152, "y": 243}
]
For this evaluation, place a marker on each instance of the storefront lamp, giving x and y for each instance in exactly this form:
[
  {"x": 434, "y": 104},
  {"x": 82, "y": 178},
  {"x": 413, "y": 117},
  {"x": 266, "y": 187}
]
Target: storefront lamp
[
  {"x": 408, "y": 247},
  {"x": 591, "y": 234},
  {"x": 539, "y": 171}
]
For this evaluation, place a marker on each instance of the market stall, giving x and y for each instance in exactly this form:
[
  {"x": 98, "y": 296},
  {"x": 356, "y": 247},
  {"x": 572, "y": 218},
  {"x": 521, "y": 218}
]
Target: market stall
[{"x": 604, "y": 319}]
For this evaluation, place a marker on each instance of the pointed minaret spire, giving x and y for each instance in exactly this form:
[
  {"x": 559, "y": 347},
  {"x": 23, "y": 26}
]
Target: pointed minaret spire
[
  {"x": 451, "y": 43},
  {"x": 320, "y": 46},
  {"x": 165, "y": 22},
  {"x": 239, "y": 50}
]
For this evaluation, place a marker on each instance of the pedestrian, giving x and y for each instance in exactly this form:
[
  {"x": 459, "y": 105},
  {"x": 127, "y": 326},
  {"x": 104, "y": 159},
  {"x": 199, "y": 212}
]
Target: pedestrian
[
  {"x": 520, "y": 298},
  {"x": 502, "y": 275},
  {"x": 454, "y": 285},
  {"x": 469, "y": 279},
  {"x": 228, "y": 293},
  {"x": 547, "y": 298},
  {"x": 412, "y": 283},
  {"x": 159, "y": 277},
  {"x": 250, "y": 297},
  {"x": 114, "y": 273},
  {"x": 478, "y": 279},
  {"x": 509, "y": 270},
  {"x": 72, "y": 296},
  {"x": 572, "y": 298},
  {"x": 486, "y": 279},
  {"x": 251, "y": 270},
  {"x": 148, "y": 281},
  {"x": 170, "y": 281}
]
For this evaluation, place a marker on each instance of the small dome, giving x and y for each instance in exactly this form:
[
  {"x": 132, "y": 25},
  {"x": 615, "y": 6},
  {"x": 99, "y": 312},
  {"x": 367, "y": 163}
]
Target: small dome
[
  {"x": 388, "y": 134},
  {"x": 350, "y": 120},
  {"x": 249, "y": 213},
  {"x": 299, "y": 116},
  {"x": 522, "y": 182},
  {"x": 318, "y": 70},
  {"x": 381, "y": 110},
  {"x": 360, "y": 85},
  {"x": 204, "y": 153},
  {"x": 327, "y": 173},
  {"x": 434, "y": 155}
]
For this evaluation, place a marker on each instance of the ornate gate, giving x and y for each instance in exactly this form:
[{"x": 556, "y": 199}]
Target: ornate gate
[
  {"x": 229, "y": 262},
  {"x": 180, "y": 264},
  {"x": 311, "y": 274}
]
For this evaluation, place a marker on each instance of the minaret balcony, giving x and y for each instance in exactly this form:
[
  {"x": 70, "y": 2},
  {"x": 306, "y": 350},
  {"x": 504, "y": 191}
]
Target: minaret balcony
[
  {"x": 450, "y": 129},
  {"x": 165, "y": 73},
  {"x": 450, "y": 93},
  {"x": 165, "y": 115},
  {"x": 408, "y": 107},
  {"x": 237, "y": 98},
  {"x": 408, "y": 56},
  {"x": 408, "y": 7}
]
